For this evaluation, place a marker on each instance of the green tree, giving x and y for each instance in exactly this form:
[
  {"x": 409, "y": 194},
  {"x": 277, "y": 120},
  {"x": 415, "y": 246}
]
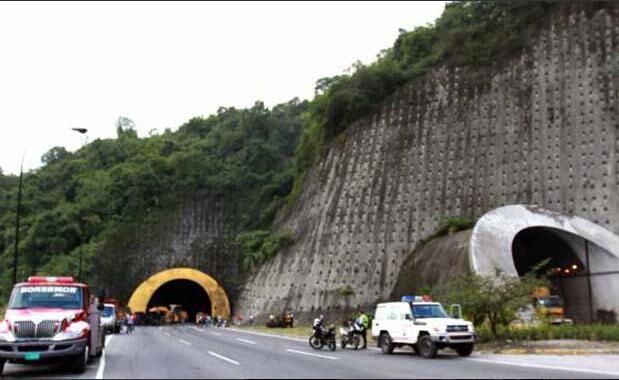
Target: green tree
[{"x": 494, "y": 299}]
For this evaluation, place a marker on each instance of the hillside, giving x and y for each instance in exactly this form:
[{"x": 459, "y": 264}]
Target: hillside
[{"x": 96, "y": 197}]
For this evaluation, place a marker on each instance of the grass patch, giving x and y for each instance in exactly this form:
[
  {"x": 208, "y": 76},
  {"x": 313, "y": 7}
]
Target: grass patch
[{"x": 594, "y": 332}]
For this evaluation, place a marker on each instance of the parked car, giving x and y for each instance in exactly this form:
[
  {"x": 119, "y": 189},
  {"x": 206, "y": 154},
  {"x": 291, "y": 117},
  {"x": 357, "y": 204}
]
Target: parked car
[{"x": 424, "y": 325}]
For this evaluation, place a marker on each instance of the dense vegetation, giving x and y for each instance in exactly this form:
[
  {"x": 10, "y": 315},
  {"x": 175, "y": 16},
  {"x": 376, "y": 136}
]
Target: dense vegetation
[{"x": 77, "y": 200}]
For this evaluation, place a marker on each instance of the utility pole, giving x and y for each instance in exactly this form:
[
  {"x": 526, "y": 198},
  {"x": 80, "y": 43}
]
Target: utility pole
[
  {"x": 79, "y": 270},
  {"x": 17, "y": 215}
]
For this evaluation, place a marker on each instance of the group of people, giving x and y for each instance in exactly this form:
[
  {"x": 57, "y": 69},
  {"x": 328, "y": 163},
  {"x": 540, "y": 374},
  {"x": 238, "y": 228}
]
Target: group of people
[
  {"x": 287, "y": 320},
  {"x": 205, "y": 320}
]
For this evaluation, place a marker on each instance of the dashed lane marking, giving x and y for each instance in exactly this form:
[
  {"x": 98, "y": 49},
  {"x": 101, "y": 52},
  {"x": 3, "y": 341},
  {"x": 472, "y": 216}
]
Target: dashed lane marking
[
  {"x": 185, "y": 342},
  {"x": 312, "y": 354},
  {"x": 101, "y": 368},
  {"x": 246, "y": 341},
  {"x": 216, "y": 333},
  {"x": 590, "y": 371},
  {"x": 167, "y": 333},
  {"x": 223, "y": 358}
]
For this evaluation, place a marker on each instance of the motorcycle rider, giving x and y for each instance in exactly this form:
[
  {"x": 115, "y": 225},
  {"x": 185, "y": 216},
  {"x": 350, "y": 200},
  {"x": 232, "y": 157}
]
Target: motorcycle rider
[
  {"x": 318, "y": 323},
  {"x": 364, "y": 321}
]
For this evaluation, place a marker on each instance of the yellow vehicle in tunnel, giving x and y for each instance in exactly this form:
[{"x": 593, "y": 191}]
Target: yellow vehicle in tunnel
[
  {"x": 550, "y": 307},
  {"x": 176, "y": 314}
]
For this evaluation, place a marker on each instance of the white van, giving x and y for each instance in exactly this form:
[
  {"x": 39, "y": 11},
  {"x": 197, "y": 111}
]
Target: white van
[{"x": 423, "y": 325}]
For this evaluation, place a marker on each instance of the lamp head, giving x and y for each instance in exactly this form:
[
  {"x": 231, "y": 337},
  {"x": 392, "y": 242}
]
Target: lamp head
[{"x": 80, "y": 130}]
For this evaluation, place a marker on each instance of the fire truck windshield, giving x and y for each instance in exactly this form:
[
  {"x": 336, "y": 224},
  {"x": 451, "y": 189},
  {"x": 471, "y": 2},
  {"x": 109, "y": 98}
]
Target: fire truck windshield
[{"x": 46, "y": 296}]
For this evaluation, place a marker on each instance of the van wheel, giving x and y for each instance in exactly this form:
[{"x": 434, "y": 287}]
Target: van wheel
[
  {"x": 386, "y": 344},
  {"x": 464, "y": 349},
  {"x": 427, "y": 348}
]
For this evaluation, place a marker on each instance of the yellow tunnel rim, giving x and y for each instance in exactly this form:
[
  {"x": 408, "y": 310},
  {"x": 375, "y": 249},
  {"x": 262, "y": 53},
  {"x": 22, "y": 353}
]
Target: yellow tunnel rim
[{"x": 220, "y": 305}]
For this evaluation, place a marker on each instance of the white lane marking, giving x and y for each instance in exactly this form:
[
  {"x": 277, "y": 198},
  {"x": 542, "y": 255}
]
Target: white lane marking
[
  {"x": 167, "y": 333},
  {"x": 223, "y": 358},
  {"x": 312, "y": 354},
  {"x": 246, "y": 341},
  {"x": 546, "y": 367},
  {"x": 185, "y": 342},
  {"x": 102, "y": 361},
  {"x": 216, "y": 333}
]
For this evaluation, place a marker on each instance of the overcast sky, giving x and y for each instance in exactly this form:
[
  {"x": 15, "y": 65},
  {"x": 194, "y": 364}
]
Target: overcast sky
[{"x": 66, "y": 65}]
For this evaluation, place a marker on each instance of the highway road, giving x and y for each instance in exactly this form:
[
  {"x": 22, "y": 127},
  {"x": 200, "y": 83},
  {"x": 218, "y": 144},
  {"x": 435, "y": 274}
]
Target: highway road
[{"x": 188, "y": 352}]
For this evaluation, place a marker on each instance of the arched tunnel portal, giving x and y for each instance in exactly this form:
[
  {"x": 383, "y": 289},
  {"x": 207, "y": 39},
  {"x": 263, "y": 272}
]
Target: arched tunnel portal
[
  {"x": 581, "y": 257},
  {"x": 194, "y": 290}
]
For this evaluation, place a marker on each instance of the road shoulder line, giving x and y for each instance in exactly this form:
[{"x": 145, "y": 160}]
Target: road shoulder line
[
  {"x": 543, "y": 366},
  {"x": 101, "y": 368},
  {"x": 268, "y": 335}
]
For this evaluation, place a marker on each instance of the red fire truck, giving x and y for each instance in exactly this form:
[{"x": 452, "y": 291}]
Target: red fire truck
[{"x": 51, "y": 318}]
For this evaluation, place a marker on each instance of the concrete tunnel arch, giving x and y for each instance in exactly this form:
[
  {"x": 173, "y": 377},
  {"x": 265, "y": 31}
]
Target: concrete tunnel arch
[
  {"x": 141, "y": 296},
  {"x": 492, "y": 246}
]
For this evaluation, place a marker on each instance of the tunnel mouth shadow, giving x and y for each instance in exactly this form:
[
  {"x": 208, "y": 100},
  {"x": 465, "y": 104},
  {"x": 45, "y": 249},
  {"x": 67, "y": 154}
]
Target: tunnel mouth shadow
[
  {"x": 544, "y": 251},
  {"x": 189, "y": 294}
]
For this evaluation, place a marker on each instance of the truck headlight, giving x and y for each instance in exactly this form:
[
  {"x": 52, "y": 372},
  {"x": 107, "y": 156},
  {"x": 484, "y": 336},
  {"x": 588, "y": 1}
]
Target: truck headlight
[
  {"x": 75, "y": 330},
  {"x": 5, "y": 331}
]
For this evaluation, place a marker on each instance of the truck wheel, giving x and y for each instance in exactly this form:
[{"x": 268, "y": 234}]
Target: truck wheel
[
  {"x": 2, "y": 361},
  {"x": 80, "y": 361},
  {"x": 386, "y": 344},
  {"x": 427, "y": 348},
  {"x": 415, "y": 348},
  {"x": 464, "y": 349}
]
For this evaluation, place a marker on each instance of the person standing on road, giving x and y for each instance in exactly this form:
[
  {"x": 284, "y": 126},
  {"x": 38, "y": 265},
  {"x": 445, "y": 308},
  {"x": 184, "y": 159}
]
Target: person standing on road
[
  {"x": 364, "y": 321},
  {"x": 251, "y": 320}
]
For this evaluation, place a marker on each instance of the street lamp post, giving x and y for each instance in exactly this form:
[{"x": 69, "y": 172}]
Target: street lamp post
[
  {"x": 17, "y": 215},
  {"x": 79, "y": 270}
]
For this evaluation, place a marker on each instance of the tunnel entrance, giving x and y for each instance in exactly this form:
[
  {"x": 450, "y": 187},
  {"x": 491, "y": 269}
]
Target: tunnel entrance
[
  {"x": 533, "y": 246},
  {"x": 191, "y": 288},
  {"x": 552, "y": 252},
  {"x": 190, "y": 295},
  {"x": 583, "y": 256}
]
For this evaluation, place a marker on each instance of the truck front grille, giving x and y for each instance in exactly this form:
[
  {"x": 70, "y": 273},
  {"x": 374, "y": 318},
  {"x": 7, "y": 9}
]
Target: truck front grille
[
  {"x": 457, "y": 328},
  {"x": 30, "y": 330},
  {"x": 47, "y": 329},
  {"x": 24, "y": 329}
]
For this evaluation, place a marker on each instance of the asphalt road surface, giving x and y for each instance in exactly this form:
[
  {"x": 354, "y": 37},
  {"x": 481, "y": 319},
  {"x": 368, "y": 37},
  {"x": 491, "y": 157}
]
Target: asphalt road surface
[{"x": 187, "y": 352}]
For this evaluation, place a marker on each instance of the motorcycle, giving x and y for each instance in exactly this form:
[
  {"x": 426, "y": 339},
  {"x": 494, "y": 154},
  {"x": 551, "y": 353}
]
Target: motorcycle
[
  {"x": 322, "y": 337},
  {"x": 350, "y": 335}
]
